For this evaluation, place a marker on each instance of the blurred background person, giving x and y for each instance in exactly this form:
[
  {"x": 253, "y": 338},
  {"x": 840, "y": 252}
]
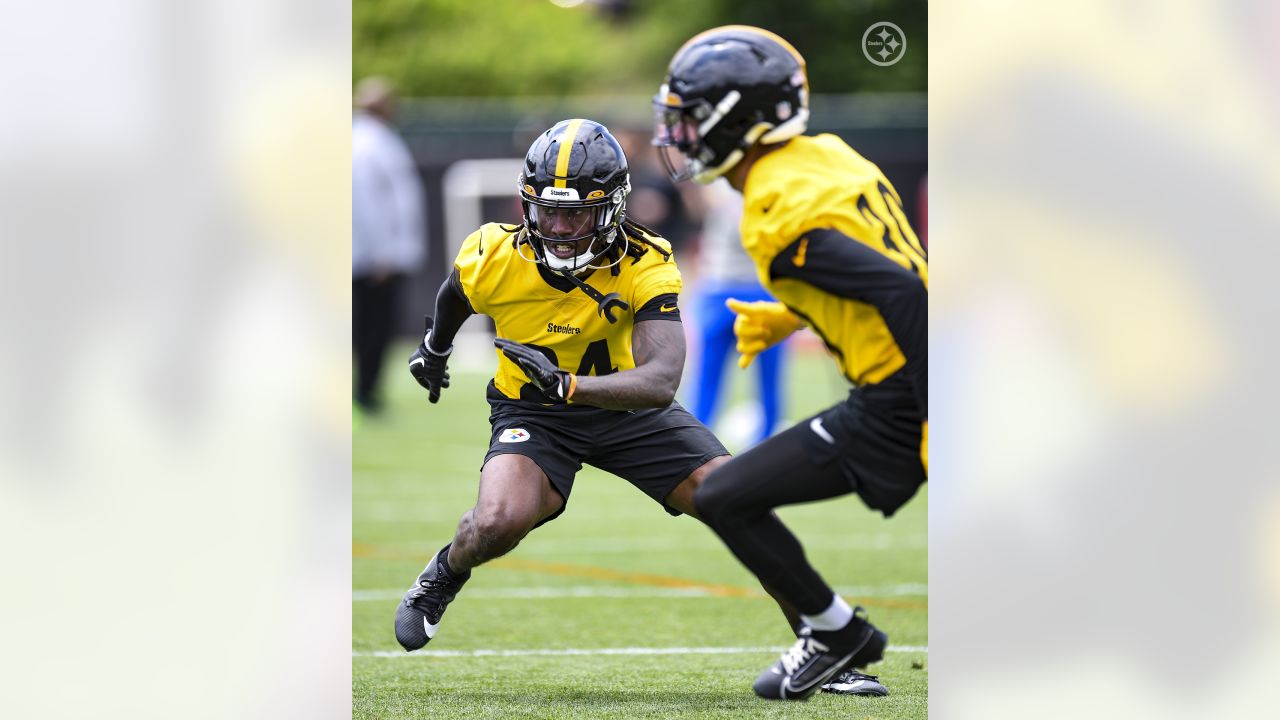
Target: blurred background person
[
  {"x": 726, "y": 271},
  {"x": 386, "y": 231},
  {"x": 654, "y": 201}
]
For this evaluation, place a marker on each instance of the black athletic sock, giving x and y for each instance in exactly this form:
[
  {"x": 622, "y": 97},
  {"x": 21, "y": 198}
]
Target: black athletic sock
[
  {"x": 448, "y": 571},
  {"x": 854, "y": 633}
]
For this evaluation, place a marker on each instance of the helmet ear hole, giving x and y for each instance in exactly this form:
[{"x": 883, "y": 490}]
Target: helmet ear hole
[{"x": 741, "y": 124}]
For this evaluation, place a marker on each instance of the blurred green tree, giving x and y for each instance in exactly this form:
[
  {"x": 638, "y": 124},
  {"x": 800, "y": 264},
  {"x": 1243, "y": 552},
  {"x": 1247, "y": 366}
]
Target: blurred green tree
[{"x": 433, "y": 48}]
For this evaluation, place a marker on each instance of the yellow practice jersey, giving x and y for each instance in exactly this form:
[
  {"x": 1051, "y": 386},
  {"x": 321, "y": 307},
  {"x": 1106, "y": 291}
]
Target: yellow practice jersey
[
  {"x": 525, "y": 307},
  {"x": 819, "y": 220}
]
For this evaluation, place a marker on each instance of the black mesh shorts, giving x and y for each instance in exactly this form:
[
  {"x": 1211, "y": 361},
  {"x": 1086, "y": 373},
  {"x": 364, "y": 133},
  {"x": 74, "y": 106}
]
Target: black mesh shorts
[
  {"x": 653, "y": 449},
  {"x": 875, "y": 436}
]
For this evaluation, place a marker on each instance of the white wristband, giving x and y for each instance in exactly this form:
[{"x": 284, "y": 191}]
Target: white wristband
[{"x": 426, "y": 343}]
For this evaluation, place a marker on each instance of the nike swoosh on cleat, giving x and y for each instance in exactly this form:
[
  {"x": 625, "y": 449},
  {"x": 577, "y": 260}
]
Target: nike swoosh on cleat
[
  {"x": 786, "y": 685},
  {"x": 431, "y": 629},
  {"x": 852, "y": 685},
  {"x": 835, "y": 668}
]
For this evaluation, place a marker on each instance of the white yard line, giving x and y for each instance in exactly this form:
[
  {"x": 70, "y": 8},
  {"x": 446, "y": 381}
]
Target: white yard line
[
  {"x": 879, "y": 591},
  {"x": 558, "y": 652}
]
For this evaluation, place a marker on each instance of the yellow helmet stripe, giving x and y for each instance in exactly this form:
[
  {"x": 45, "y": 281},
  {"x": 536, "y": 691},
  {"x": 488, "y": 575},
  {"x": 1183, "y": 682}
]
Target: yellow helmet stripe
[{"x": 566, "y": 149}]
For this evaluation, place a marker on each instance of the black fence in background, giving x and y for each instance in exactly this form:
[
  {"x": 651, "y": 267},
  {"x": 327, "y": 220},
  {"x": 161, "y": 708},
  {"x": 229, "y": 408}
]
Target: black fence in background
[{"x": 889, "y": 129}]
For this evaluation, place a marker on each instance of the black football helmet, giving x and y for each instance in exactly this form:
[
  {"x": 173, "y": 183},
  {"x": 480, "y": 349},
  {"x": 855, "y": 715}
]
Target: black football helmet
[
  {"x": 727, "y": 89},
  {"x": 573, "y": 189}
]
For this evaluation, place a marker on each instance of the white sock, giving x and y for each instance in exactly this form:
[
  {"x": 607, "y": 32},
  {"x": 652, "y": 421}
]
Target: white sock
[{"x": 837, "y": 615}]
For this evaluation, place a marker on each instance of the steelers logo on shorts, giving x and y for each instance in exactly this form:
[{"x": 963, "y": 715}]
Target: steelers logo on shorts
[{"x": 514, "y": 435}]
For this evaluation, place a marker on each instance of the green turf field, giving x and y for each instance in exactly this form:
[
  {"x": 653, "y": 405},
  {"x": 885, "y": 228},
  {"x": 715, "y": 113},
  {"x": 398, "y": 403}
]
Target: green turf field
[{"x": 615, "y": 610}]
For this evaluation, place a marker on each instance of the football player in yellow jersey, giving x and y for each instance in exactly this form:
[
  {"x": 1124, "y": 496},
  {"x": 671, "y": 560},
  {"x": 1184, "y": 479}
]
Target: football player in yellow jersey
[
  {"x": 831, "y": 242},
  {"x": 591, "y": 352}
]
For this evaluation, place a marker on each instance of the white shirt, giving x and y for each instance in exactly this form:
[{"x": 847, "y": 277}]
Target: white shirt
[{"x": 386, "y": 200}]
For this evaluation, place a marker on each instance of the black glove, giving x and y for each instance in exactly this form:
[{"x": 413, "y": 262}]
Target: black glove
[
  {"x": 430, "y": 368},
  {"x": 555, "y": 383}
]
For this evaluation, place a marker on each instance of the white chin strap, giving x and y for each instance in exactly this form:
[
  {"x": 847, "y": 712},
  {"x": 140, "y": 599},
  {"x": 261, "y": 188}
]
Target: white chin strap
[
  {"x": 761, "y": 133},
  {"x": 704, "y": 176},
  {"x": 788, "y": 129}
]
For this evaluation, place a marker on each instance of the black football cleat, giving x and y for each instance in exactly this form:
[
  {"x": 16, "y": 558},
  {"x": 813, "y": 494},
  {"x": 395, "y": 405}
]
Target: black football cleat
[
  {"x": 873, "y": 650},
  {"x": 852, "y": 682},
  {"x": 816, "y": 657},
  {"x": 418, "y": 615}
]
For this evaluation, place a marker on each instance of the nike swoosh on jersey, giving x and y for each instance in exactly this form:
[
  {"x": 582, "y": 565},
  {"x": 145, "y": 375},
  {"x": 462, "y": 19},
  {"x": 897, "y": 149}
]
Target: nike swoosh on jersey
[{"x": 664, "y": 308}]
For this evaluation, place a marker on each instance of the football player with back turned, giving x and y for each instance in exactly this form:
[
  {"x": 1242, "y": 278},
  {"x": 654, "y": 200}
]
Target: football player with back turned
[
  {"x": 591, "y": 352},
  {"x": 829, "y": 238}
]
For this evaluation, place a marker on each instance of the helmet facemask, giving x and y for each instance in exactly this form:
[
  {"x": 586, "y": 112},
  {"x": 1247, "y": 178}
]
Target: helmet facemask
[{"x": 690, "y": 135}]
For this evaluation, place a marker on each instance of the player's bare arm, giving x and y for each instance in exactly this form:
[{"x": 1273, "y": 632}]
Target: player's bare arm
[{"x": 658, "y": 348}]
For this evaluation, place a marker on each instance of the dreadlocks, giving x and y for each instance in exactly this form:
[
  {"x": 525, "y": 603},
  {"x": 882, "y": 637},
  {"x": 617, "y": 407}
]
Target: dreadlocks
[
  {"x": 638, "y": 244},
  {"x": 641, "y": 234},
  {"x": 640, "y": 241}
]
